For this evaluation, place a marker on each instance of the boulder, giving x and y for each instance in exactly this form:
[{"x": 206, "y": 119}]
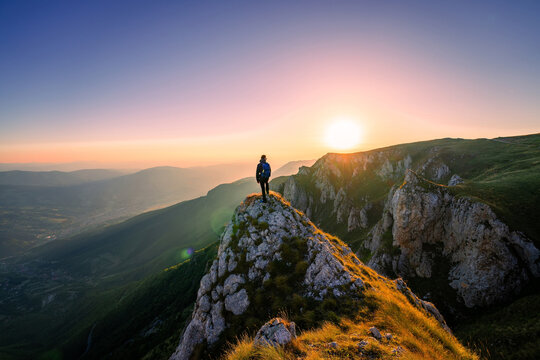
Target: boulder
[
  {"x": 275, "y": 332},
  {"x": 455, "y": 180},
  {"x": 362, "y": 344},
  {"x": 375, "y": 333}
]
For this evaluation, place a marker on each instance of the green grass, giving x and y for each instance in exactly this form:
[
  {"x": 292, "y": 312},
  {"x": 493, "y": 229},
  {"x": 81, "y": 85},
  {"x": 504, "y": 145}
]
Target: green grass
[
  {"x": 121, "y": 317},
  {"x": 504, "y": 175},
  {"x": 164, "y": 300},
  {"x": 507, "y": 332}
]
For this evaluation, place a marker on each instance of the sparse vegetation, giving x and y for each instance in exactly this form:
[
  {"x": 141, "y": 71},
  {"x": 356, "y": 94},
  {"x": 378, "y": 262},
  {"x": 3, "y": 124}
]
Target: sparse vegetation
[{"x": 420, "y": 336}]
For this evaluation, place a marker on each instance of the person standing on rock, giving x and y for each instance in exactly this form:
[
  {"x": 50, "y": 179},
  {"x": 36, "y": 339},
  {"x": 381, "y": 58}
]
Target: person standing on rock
[{"x": 263, "y": 175}]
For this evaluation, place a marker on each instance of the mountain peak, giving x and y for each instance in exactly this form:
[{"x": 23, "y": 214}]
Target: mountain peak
[{"x": 273, "y": 259}]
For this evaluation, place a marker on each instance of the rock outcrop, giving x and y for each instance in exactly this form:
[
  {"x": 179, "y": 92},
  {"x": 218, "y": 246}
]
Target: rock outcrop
[
  {"x": 455, "y": 180},
  {"x": 487, "y": 262},
  {"x": 260, "y": 237},
  {"x": 324, "y": 190}
]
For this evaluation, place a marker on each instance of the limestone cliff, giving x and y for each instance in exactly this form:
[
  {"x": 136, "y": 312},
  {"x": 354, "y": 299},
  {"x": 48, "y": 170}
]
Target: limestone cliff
[
  {"x": 487, "y": 262},
  {"x": 407, "y": 211}
]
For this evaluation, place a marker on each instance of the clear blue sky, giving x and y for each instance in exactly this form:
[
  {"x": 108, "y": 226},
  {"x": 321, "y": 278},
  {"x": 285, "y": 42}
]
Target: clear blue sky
[{"x": 103, "y": 71}]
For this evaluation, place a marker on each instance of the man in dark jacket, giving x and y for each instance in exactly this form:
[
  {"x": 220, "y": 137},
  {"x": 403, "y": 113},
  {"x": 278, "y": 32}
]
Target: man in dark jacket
[{"x": 262, "y": 175}]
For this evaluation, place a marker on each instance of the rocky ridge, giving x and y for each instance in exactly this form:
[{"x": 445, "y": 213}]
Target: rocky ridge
[
  {"x": 392, "y": 208},
  {"x": 260, "y": 238}
]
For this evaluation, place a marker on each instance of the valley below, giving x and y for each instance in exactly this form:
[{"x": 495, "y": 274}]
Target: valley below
[{"x": 40, "y": 207}]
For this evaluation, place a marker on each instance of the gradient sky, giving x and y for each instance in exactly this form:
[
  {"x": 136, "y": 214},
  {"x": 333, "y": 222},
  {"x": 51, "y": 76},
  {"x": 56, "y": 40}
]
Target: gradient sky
[{"x": 199, "y": 82}]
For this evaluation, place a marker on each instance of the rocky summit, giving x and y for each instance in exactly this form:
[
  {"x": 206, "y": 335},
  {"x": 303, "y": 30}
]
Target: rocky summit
[{"x": 271, "y": 257}]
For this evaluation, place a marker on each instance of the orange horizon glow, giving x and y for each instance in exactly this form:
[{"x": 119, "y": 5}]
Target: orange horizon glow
[
  {"x": 225, "y": 93},
  {"x": 288, "y": 124},
  {"x": 194, "y": 152}
]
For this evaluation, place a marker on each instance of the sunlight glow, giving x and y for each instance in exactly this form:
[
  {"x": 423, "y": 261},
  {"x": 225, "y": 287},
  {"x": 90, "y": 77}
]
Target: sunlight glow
[{"x": 342, "y": 134}]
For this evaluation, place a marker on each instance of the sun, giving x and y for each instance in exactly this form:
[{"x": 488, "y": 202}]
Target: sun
[{"x": 342, "y": 134}]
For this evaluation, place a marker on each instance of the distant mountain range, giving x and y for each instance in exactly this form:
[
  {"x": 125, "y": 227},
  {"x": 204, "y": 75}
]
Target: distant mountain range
[
  {"x": 291, "y": 167},
  {"x": 56, "y": 178},
  {"x": 38, "y": 207}
]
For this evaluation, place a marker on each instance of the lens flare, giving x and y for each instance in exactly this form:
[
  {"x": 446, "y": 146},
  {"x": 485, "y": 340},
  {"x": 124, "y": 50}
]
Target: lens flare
[{"x": 186, "y": 253}]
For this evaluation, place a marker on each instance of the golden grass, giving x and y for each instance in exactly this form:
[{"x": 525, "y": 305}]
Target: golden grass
[
  {"x": 325, "y": 334},
  {"x": 418, "y": 334},
  {"x": 256, "y": 196},
  {"x": 242, "y": 350},
  {"x": 272, "y": 353},
  {"x": 421, "y": 178},
  {"x": 245, "y": 350}
]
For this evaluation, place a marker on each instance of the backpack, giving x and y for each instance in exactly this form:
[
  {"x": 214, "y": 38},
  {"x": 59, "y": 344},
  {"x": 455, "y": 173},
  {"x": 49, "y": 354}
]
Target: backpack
[{"x": 265, "y": 174}]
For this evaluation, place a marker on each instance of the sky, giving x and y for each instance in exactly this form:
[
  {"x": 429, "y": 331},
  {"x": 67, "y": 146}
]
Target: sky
[{"x": 187, "y": 83}]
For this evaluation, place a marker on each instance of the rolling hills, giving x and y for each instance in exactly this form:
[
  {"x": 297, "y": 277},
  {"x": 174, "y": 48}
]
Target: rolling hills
[
  {"x": 39, "y": 207},
  {"x": 56, "y": 178}
]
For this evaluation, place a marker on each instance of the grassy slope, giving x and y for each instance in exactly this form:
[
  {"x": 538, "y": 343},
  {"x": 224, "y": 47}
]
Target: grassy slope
[
  {"x": 506, "y": 176},
  {"x": 90, "y": 273},
  {"x": 149, "y": 242},
  {"x": 148, "y": 320},
  {"x": 507, "y": 332}
]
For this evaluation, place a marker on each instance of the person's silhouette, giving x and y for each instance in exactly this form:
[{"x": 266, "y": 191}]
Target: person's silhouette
[{"x": 263, "y": 175}]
